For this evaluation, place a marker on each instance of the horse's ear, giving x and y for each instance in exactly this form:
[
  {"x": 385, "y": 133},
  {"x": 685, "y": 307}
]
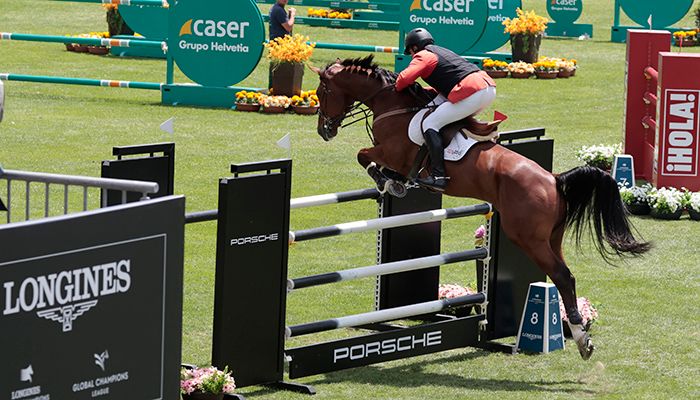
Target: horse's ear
[
  {"x": 315, "y": 69},
  {"x": 337, "y": 61}
]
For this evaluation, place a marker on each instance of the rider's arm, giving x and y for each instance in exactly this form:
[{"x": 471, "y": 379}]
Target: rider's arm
[{"x": 422, "y": 65}]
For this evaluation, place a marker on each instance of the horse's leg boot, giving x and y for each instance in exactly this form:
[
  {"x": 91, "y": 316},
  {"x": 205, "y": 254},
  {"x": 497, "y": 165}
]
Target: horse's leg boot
[{"x": 437, "y": 179}]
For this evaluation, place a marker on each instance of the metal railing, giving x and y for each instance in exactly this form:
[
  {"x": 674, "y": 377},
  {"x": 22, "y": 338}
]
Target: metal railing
[{"x": 15, "y": 178}]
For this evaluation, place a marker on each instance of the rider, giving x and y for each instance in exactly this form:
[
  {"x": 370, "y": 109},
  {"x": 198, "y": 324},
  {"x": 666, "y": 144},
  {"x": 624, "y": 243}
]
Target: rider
[{"x": 463, "y": 90}]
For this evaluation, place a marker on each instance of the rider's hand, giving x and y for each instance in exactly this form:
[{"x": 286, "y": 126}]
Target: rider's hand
[{"x": 292, "y": 11}]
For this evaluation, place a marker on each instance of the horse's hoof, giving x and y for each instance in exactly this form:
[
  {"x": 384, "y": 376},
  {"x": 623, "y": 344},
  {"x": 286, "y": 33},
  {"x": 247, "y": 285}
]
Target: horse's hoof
[
  {"x": 396, "y": 189},
  {"x": 585, "y": 347}
]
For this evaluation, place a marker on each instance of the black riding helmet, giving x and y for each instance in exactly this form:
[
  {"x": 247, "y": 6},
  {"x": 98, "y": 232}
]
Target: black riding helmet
[{"x": 419, "y": 37}]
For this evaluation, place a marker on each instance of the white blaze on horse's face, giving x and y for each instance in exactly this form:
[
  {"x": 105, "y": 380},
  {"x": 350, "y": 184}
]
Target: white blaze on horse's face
[{"x": 332, "y": 103}]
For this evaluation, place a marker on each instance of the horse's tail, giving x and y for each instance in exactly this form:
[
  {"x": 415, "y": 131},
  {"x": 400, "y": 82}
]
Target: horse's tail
[{"x": 592, "y": 195}]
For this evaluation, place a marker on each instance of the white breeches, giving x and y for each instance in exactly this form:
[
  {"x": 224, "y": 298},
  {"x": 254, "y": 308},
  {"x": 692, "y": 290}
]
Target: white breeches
[{"x": 448, "y": 112}]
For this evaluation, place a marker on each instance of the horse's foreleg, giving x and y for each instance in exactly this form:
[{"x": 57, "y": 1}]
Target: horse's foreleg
[{"x": 371, "y": 160}]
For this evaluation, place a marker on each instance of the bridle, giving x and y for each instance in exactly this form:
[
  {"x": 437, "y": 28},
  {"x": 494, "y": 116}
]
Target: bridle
[{"x": 329, "y": 123}]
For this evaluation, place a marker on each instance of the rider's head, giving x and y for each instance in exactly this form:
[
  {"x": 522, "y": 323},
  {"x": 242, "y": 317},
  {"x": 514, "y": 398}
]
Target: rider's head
[{"x": 416, "y": 40}]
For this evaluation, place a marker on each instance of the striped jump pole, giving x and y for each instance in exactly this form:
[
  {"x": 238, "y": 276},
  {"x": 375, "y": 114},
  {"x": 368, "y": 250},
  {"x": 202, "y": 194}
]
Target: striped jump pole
[
  {"x": 387, "y": 268},
  {"x": 26, "y": 37},
  {"x": 389, "y": 314},
  {"x": 357, "y": 47},
  {"x": 81, "y": 81},
  {"x": 389, "y": 222},
  {"x": 300, "y": 202},
  {"x": 150, "y": 3}
]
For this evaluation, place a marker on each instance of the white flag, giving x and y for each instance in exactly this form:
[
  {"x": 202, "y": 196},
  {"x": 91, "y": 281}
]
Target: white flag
[
  {"x": 286, "y": 142},
  {"x": 649, "y": 21},
  {"x": 167, "y": 126}
]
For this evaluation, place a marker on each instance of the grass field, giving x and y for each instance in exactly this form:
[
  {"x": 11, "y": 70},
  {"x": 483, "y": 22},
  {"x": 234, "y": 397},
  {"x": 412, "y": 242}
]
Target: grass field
[{"x": 648, "y": 332}]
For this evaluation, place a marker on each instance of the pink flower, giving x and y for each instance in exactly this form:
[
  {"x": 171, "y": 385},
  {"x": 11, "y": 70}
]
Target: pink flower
[
  {"x": 449, "y": 291},
  {"x": 480, "y": 232},
  {"x": 585, "y": 308}
]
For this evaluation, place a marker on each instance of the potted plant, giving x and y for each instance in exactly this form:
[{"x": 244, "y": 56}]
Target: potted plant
[
  {"x": 275, "y": 104},
  {"x": 520, "y": 70},
  {"x": 287, "y": 57},
  {"x": 588, "y": 312},
  {"x": 546, "y": 69},
  {"x": 496, "y": 69},
  {"x": 115, "y": 23},
  {"x": 566, "y": 67},
  {"x": 526, "y": 32},
  {"x": 666, "y": 203},
  {"x": 693, "y": 206},
  {"x": 205, "y": 383},
  {"x": 248, "y": 101},
  {"x": 599, "y": 156},
  {"x": 685, "y": 38},
  {"x": 99, "y": 50},
  {"x": 635, "y": 199},
  {"x": 450, "y": 291},
  {"x": 306, "y": 103}
]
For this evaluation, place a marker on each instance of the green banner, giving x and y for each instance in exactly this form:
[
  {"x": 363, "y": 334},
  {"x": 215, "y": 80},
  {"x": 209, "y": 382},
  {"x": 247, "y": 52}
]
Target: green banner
[
  {"x": 216, "y": 42},
  {"x": 455, "y": 24},
  {"x": 150, "y": 22},
  {"x": 494, "y": 35},
  {"x": 565, "y": 12},
  {"x": 663, "y": 13}
]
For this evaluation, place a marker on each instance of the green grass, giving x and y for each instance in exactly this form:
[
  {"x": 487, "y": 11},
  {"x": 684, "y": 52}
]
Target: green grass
[{"x": 648, "y": 331}]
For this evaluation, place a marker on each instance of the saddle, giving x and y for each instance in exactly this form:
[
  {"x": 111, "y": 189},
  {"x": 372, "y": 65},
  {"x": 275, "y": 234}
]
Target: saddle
[{"x": 470, "y": 127}]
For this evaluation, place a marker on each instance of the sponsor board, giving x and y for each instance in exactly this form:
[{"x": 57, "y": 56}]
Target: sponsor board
[
  {"x": 90, "y": 304},
  {"x": 680, "y": 139}
]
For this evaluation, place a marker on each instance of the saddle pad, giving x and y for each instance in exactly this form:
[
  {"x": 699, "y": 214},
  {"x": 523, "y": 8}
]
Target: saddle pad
[{"x": 455, "y": 151}]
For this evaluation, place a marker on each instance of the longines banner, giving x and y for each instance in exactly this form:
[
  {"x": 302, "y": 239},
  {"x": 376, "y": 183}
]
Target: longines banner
[{"x": 91, "y": 304}]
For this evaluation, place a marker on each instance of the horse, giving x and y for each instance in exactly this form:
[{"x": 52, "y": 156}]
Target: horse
[{"x": 546, "y": 204}]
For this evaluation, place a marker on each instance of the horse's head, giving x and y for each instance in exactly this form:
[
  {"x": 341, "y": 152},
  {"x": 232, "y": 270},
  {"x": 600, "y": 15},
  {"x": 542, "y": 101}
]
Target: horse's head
[
  {"x": 334, "y": 101},
  {"x": 342, "y": 84}
]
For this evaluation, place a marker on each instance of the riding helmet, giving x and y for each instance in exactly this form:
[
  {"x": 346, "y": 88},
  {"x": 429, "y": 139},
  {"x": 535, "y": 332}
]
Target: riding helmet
[{"x": 419, "y": 37}]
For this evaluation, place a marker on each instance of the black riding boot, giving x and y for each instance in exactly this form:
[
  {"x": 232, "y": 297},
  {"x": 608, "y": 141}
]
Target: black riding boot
[{"x": 437, "y": 179}]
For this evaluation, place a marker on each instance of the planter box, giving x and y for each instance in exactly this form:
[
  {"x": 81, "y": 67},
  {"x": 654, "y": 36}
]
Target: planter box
[
  {"x": 667, "y": 215},
  {"x": 520, "y": 75},
  {"x": 563, "y": 73},
  {"x": 273, "y": 110},
  {"x": 546, "y": 74},
  {"x": 305, "y": 110},
  {"x": 496, "y": 74},
  {"x": 248, "y": 107},
  {"x": 638, "y": 209},
  {"x": 98, "y": 50},
  {"x": 694, "y": 215},
  {"x": 286, "y": 78}
]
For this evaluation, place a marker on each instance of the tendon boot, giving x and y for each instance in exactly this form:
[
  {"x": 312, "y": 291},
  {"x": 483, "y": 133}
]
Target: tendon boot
[{"x": 437, "y": 179}]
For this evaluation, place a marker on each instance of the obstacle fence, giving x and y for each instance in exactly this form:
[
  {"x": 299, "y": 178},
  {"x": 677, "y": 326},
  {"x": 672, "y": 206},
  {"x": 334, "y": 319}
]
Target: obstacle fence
[
  {"x": 141, "y": 189},
  {"x": 662, "y": 132}
]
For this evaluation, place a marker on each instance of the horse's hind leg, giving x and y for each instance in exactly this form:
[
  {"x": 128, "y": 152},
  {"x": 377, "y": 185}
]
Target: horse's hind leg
[
  {"x": 551, "y": 262},
  {"x": 371, "y": 160}
]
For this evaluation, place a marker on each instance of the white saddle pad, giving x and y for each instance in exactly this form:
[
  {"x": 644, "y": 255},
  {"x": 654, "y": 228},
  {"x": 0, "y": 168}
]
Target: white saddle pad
[{"x": 453, "y": 152}]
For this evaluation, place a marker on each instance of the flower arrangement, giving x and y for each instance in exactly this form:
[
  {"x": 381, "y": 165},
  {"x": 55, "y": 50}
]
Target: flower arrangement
[
  {"x": 276, "y": 101},
  {"x": 521, "y": 67},
  {"x": 546, "y": 65},
  {"x": 206, "y": 380},
  {"x": 635, "y": 198},
  {"x": 494, "y": 65},
  {"x": 599, "y": 156},
  {"x": 480, "y": 236},
  {"x": 666, "y": 203},
  {"x": 587, "y": 310},
  {"x": 686, "y": 38},
  {"x": 450, "y": 291},
  {"x": 305, "y": 99},
  {"x": 323, "y": 13},
  {"x": 293, "y": 49},
  {"x": 693, "y": 205},
  {"x": 245, "y": 97},
  {"x": 526, "y": 23}
]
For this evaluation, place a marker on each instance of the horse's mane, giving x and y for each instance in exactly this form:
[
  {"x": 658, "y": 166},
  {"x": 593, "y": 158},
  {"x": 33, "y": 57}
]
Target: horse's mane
[{"x": 367, "y": 64}]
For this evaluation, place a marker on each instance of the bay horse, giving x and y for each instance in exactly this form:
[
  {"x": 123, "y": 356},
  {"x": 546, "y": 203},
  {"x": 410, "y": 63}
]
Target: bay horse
[{"x": 535, "y": 205}]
